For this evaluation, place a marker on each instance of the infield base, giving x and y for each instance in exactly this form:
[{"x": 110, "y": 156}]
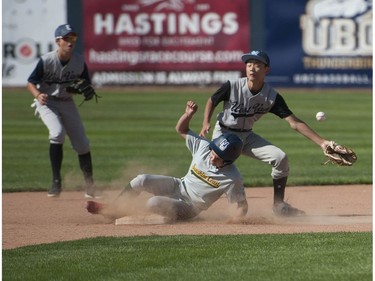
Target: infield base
[{"x": 147, "y": 219}]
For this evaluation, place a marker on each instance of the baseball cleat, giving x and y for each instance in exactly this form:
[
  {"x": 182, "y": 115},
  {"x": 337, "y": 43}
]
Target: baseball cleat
[
  {"x": 284, "y": 209},
  {"x": 55, "y": 189},
  {"x": 92, "y": 193},
  {"x": 94, "y": 207}
]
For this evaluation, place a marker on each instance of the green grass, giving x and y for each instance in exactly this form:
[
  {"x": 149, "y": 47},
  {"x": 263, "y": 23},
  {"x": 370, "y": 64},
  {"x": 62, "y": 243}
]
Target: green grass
[
  {"x": 315, "y": 257},
  {"x": 131, "y": 131}
]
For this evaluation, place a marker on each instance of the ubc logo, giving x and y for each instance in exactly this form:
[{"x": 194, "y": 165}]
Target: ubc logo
[
  {"x": 223, "y": 144},
  {"x": 337, "y": 28}
]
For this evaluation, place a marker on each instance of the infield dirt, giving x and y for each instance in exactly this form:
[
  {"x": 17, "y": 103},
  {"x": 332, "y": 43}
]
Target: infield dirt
[{"x": 31, "y": 218}]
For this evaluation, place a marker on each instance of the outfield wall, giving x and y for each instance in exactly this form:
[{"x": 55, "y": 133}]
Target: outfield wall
[{"x": 315, "y": 43}]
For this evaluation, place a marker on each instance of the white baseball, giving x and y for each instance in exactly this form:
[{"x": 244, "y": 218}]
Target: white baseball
[{"x": 321, "y": 116}]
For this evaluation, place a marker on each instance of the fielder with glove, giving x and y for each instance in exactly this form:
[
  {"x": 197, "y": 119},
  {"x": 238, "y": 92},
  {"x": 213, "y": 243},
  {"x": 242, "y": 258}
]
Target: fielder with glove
[
  {"x": 49, "y": 84},
  {"x": 245, "y": 100}
]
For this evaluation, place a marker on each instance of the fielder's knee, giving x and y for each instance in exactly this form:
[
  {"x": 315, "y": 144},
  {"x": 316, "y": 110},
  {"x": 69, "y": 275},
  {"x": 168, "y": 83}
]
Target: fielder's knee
[
  {"x": 280, "y": 166},
  {"x": 82, "y": 148},
  {"x": 280, "y": 159},
  {"x": 57, "y": 138}
]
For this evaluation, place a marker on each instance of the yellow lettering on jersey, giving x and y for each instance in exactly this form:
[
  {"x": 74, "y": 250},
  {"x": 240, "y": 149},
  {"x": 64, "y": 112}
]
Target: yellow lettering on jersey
[{"x": 202, "y": 176}]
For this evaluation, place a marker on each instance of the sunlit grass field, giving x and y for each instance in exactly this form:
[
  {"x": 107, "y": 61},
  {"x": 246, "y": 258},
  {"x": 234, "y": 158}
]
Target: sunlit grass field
[
  {"x": 284, "y": 257},
  {"x": 131, "y": 131}
]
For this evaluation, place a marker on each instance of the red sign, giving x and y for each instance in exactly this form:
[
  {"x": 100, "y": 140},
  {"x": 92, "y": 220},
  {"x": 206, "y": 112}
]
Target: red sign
[{"x": 169, "y": 35}]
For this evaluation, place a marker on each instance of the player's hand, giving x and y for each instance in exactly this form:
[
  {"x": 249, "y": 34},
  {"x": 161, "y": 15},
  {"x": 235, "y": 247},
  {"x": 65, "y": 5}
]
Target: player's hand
[
  {"x": 42, "y": 98},
  {"x": 205, "y": 130},
  {"x": 191, "y": 108},
  {"x": 325, "y": 144}
]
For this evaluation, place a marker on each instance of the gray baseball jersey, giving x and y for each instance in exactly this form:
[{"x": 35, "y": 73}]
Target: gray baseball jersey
[
  {"x": 243, "y": 108},
  {"x": 200, "y": 188},
  {"x": 60, "y": 114},
  {"x": 57, "y": 76},
  {"x": 204, "y": 183}
]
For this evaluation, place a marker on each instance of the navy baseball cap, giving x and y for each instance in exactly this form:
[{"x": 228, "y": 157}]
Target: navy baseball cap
[
  {"x": 256, "y": 55},
  {"x": 63, "y": 30}
]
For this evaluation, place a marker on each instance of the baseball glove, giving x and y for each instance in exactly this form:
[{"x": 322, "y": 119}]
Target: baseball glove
[
  {"x": 339, "y": 155},
  {"x": 82, "y": 87}
]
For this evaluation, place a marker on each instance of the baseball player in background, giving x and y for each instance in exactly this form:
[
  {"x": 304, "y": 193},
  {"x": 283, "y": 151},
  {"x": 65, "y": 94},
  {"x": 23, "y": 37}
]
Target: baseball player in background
[
  {"x": 211, "y": 174},
  {"x": 245, "y": 101},
  {"x": 55, "y": 106}
]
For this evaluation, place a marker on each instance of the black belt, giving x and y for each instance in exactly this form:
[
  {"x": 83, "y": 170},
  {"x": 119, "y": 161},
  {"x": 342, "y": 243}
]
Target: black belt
[
  {"x": 234, "y": 129},
  {"x": 60, "y": 98}
]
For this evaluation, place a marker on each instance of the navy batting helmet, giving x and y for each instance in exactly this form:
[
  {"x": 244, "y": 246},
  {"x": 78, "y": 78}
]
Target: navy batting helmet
[{"x": 228, "y": 147}]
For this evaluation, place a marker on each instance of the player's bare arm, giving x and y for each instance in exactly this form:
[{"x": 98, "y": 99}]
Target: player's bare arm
[
  {"x": 301, "y": 127},
  {"x": 41, "y": 97},
  {"x": 182, "y": 126},
  {"x": 206, "y": 126}
]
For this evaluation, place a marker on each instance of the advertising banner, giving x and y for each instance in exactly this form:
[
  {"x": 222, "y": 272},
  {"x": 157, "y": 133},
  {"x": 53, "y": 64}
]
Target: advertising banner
[
  {"x": 165, "y": 42},
  {"x": 319, "y": 43},
  {"x": 28, "y": 32}
]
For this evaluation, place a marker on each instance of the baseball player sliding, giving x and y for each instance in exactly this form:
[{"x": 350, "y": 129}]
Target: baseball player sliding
[
  {"x": 211, "y": 174},
  {"x": 245, "y": 101},
  {"x": 55, "y": 106}
]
